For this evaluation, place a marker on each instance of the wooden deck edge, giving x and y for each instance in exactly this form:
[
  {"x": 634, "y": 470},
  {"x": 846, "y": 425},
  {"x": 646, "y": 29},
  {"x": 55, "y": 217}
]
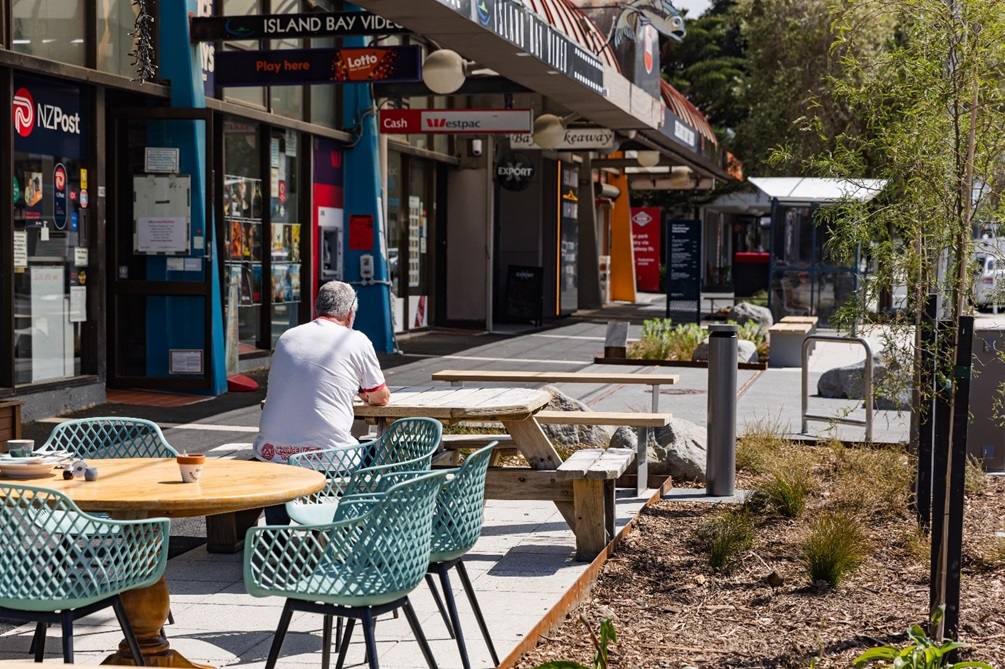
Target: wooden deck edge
[
  {"x": 600, "y": 360},
  {"x": 579, "y": 590}
]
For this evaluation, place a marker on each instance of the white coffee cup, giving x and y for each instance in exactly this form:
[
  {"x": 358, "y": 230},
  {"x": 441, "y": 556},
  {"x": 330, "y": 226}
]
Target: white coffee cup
[
  {"x": 26, "y": 446},
  {"x": 190, "y": 467}
]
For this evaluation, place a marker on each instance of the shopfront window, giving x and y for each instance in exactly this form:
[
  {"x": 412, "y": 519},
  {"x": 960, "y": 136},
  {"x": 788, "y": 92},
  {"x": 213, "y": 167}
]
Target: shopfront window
[
  {"x": 395, "y": 189},
  {"x": 418, "y": 243},
  {"x": 242, "y": 212},
  {"x": 52, "y": 29},
  {"x": 252, "y": 95},
  {"x": 116, "y": 22},
  {"x": 286, "y": 231},
  {"x": 51, "y": 232}
]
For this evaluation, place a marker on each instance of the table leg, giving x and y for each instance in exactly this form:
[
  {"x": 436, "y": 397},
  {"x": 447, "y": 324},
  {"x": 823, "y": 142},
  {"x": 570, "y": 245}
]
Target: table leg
[{"x": 534, "y": 445}]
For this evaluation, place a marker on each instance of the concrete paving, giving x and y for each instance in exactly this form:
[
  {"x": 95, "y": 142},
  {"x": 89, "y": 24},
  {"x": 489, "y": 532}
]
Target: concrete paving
[{"x": 524, "y": 561}]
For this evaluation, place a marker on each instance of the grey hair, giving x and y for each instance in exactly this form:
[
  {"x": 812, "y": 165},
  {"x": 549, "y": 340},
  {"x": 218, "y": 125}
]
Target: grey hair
[{"x": 335, "y": 298}]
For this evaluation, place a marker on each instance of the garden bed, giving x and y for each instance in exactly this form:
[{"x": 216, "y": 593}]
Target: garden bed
[
  {"x": 601, "y": 360},
  {"x": 671, "y": 609}
]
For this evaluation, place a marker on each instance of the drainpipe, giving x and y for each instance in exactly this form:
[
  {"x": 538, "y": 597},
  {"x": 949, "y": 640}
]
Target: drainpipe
[{"x": 490, "y": 222}]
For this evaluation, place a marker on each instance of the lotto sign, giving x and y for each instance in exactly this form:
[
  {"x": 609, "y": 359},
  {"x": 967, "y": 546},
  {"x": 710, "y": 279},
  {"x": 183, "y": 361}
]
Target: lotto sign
[
  {"x": 646, "y": 242},
  {"x": 289, "y": 67}
]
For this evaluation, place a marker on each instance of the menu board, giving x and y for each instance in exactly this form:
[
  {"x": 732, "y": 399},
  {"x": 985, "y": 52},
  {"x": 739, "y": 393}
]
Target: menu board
[
  {"x": 524, "y": 294},
  {"x": 568, "y": 240},
  {"x": 683, "y": 253}
]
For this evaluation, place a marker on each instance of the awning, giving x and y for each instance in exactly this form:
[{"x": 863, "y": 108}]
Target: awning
[{"x": 810, "y": 190}]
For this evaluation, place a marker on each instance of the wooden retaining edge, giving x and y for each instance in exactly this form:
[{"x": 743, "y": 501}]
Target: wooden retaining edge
[
  {"x": 580, "y": 588},
  {"x": 601, "y": 360}
]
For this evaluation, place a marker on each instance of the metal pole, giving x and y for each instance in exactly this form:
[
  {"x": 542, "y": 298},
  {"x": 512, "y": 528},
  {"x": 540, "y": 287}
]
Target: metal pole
[{"x": 720, "y": 459}]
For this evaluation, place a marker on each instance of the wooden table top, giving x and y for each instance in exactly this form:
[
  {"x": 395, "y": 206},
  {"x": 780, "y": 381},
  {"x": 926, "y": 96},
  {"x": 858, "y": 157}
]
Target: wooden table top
[
  {"x": 527, "y": 376},
  {"x": 458, "y": 403},
  {"x": 153, "y": 486}
]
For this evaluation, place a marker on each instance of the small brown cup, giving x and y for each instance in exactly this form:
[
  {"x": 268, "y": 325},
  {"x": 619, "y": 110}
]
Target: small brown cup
[{"x": 190, "y": 467}]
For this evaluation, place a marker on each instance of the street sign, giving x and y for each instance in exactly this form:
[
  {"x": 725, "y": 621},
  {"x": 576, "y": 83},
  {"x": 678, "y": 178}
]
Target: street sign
[
  {"x": 576, "y": 139},
  {"x": 285, "y": 26},
  {"x": 288, "y": 67},
  {"x": 455, "y": 121}
]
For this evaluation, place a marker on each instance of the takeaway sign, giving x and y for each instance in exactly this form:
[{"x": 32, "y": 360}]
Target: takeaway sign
[
  {"x": 455, "y": 121},
  {"x": 576, "y": 139}
]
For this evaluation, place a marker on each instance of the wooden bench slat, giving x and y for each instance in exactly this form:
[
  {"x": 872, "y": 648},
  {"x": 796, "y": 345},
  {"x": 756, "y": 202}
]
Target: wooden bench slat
[
  {"x": 451, "y": 441},
  {"x": 596, "y": 464},
  {"x": 811, "y": 320},
  {"x": 618, "y": 418},
  {"x": 516, "y": 376},
  {"x": 790, "y": 328}
]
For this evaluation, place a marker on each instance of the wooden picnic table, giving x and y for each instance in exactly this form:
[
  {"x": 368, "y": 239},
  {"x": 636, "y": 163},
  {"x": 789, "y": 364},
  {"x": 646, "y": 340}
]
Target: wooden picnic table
[
  {"x": 515, "y": 408},
  {"x": 131, "y": 488}
]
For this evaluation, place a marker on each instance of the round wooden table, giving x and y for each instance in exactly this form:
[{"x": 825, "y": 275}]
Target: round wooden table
[{"x": 132, "y": 488}]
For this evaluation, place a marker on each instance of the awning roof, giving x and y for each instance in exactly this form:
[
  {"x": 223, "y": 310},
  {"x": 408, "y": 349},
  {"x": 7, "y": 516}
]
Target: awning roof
[{"x": 806, "y": 189}]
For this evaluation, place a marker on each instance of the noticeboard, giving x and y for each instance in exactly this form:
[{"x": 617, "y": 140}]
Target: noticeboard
[
  {"x": 683, "y": 282},
  {"x": 524, "y": 294}
]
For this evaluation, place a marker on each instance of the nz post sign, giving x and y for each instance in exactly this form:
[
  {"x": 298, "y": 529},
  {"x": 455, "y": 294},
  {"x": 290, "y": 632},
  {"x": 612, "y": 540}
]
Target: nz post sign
[
  {"x": 646, "y": 223},
  {"x": 305, "y": 67},
  {"x": 49, "y": 118}
]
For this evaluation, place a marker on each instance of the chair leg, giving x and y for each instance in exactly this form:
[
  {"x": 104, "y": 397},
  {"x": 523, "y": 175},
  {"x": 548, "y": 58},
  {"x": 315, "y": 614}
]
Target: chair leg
[
  {"x": 38, "y": 641},
  {"x": 439, "y": 603},
  {"x": 344, "y": 646},
  {"x": 66, "y": 622},
  {"x": 470, "y": 592},
  {"x": 127, "y": 631},
  {"x": 326, "y": 642},
  {"x": 413, "y": 622},
  {"x": 369, "y": 637},
  {"x": 455, "y": 619},
  {"x": 277, "y": 640}
]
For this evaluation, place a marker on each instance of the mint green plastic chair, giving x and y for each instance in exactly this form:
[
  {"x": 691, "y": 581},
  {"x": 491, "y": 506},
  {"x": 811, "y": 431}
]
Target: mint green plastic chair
[
  {"x": 110, "y": 437},
  {"x": 408, "y": 444},
  {"x": 457, "y": 524},
  {"x": 59, "y": 576},
  {"x": 359, "y": 567}
]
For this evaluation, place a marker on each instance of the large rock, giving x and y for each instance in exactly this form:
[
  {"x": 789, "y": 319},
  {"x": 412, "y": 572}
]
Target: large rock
[
  {"x": 891, "y": 384},
  {"x": 677, "y": 451},
  {"x": 745, "y": 311},
  {"x": 592, "y": 436},
  {"x": 746, "y": 351}
]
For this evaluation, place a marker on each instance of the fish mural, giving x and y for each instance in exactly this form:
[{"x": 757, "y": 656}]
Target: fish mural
[{"x": 664, "y": 17}]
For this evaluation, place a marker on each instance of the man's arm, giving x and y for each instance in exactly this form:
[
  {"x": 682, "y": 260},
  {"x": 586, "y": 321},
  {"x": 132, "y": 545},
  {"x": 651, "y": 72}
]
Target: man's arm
[{"x": 379, "y": 396}]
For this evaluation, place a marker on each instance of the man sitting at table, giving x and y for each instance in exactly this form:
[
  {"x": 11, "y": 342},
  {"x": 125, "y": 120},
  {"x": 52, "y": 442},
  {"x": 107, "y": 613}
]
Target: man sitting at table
[{"x": 317, "y": 369}]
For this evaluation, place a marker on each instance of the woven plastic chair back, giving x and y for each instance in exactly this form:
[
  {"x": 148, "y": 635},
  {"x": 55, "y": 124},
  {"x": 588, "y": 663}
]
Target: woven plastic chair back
[
  {"x": 110, "y": 437},
  {"x": 405, "y": 439},
  {"x": 460, "y": 507},
  {"x": 85, "y": 560},
  {"x": 372, "y": 559},
  {"x": 337, "y": 464}
]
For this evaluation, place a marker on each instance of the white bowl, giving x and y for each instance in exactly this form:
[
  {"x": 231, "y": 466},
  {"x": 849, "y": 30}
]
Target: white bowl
[{"x": 26, "y": 470}]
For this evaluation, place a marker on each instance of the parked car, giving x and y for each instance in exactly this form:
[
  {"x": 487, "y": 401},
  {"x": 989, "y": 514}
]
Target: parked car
[{"x": 989, "y": 281}]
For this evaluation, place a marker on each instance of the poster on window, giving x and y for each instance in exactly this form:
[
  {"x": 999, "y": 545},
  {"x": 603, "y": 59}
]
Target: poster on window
[{"x": 48, "y": 322}]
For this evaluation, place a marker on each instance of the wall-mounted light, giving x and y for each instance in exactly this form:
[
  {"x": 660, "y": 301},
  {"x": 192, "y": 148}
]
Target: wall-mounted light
[
  {"x": 549, "y": 131},
  {"x": 444, "y": 71},
  {"x": 648, "y": 158}
]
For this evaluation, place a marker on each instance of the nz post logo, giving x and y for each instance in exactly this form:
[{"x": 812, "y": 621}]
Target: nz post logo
[
  {"x": 27, "y": 115},
  {"x": 24, "y": 112}
]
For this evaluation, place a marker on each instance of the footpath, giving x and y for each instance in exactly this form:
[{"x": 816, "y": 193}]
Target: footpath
[{"x": 524, "y": 563}]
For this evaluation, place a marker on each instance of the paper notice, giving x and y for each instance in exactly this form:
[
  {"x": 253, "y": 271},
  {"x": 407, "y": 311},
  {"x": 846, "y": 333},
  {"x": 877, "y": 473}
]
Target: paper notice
[
  {"x": 20, "y": 248},
  {"x": 80, "y": 256},
  {"x": 78, "y": 304}
]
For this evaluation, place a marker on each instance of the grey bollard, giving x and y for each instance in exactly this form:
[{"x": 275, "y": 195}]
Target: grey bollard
[{"x": 720, "y": 458}]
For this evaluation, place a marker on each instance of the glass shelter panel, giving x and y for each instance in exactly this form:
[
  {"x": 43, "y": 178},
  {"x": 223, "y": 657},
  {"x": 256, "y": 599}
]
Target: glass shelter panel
[{"x": 52, "y": 29}]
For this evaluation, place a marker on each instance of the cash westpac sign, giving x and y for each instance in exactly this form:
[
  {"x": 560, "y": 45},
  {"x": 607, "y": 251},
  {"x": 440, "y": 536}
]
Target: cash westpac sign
[{"x": 455, "y": 121}]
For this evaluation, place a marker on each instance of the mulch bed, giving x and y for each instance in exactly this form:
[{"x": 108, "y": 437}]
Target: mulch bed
[{"x": 670, "y": 609}]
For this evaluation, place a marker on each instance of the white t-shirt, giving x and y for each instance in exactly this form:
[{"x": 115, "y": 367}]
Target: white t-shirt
[{"x": 317, "y": 369}]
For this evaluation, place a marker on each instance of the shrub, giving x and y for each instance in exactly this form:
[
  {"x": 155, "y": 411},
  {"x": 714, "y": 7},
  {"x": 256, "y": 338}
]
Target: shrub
[
  {"x": 917, "y": 544},
  {"x": 760, "y": 444},
  {"x": 975, "y": 483},
  {"x": 834, "y": 548},
  {"x": 786, "y": 487},
  {"x": 725, "y": 535},
  {"x": 873, "y": 481},
  {"x": 662, "y": 340},
  {"x": 922, "y": 653}
]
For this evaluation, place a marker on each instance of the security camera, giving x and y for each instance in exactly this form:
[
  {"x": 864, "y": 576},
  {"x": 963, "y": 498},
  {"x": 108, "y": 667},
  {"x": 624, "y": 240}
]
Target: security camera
[{"x": 476, "y": 147}]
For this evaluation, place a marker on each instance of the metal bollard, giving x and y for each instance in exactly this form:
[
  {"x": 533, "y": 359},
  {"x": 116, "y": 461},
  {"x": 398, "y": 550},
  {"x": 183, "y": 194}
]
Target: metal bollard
[{"x": 720, "y": 458}]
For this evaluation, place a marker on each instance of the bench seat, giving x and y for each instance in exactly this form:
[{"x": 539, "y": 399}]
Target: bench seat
[
  {"x": 619, "y": 418},
  {"x": 592, "y": 472},
  {"x": 787, "y": 343}
]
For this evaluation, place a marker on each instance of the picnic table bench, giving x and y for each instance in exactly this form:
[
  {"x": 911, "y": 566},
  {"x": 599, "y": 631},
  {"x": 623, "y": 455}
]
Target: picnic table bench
[
  {"x": 787, "y": 341},
  {"x": 642, "y": 421},
  {"x": 593, "y": 472}
]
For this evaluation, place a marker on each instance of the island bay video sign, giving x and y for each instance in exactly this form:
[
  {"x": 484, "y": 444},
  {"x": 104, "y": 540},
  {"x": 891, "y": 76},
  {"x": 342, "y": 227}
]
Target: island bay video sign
[{"x": 284, "y": 26}]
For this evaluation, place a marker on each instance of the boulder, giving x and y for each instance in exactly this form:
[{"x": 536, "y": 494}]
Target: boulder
[
  {"x": 677, "y": 451},
  {"x": 745, "y": 311},
  {"x": 891, "y": 384},
  {"x": 592, "y": 436},
  {"x": 746, "y": 351}
]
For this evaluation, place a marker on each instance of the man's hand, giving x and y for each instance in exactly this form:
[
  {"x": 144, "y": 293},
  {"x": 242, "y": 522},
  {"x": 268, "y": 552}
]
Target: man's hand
[{"x": 379, "y": 397}]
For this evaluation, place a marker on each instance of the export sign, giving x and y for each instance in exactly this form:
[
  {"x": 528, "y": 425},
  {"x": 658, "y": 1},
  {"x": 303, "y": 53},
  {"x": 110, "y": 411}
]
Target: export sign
[
  {"x": 455, "y": 121},
  {"x": 290, "y": 67}
]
